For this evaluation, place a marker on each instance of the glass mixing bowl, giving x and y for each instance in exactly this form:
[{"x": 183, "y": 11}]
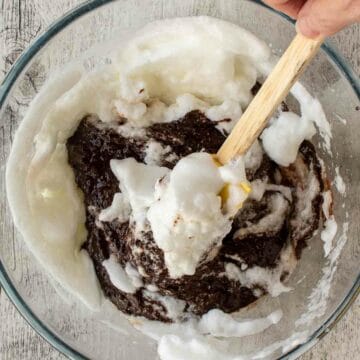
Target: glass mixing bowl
[{"x": 80, "y": 334}]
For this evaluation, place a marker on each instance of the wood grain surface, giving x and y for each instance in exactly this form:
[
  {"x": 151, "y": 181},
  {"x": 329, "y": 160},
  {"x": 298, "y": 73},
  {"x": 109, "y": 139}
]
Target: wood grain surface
[{"x": 20, "y": 22}]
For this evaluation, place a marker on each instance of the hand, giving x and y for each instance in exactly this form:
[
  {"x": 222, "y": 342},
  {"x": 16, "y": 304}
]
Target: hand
[{"x": 319, "y": 17}]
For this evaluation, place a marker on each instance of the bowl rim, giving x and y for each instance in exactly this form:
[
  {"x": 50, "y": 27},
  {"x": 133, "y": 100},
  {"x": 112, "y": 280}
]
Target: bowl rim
[{"x": 5, "y": 87}]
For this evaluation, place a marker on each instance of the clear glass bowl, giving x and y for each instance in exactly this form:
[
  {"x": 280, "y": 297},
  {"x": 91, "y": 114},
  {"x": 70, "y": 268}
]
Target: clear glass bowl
[{"x": 64, "y": 322}]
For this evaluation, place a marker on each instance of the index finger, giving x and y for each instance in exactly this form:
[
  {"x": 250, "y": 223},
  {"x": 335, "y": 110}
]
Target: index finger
[{"x": 289, "y": 7}]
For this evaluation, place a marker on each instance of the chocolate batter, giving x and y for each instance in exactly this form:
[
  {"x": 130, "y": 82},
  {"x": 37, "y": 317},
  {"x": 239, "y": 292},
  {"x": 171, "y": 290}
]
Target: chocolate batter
[{"x": 90, "y": 150}]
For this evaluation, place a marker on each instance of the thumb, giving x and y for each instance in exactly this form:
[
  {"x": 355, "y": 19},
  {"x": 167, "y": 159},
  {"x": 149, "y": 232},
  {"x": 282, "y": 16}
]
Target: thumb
[{"x": 323, "y": 17}]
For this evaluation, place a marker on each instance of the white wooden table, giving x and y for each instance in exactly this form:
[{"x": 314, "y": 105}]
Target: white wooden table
[{"x": 20, "y": 22}]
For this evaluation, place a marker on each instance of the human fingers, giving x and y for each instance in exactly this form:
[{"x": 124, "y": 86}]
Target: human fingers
[
  {"x": 289, "y": 7},
  {"x": 324, "y": 17}
]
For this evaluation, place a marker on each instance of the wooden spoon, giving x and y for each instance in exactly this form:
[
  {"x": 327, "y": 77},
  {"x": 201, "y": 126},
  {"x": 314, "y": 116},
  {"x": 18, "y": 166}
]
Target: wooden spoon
[{"x": 274, "y": 90}]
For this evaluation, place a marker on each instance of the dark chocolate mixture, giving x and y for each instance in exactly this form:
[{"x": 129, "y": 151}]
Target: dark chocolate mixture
[{"x": 90, "y": 150}]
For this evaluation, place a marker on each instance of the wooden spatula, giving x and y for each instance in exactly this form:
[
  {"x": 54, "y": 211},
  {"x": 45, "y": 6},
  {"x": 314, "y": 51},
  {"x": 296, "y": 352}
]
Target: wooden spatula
[{"x": 274, "y": 90}]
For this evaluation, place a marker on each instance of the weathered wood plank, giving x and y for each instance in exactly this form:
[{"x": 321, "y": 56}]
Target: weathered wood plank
[
  {"x": 348, "y": 42},
  {"x": 20, "y": 22}
]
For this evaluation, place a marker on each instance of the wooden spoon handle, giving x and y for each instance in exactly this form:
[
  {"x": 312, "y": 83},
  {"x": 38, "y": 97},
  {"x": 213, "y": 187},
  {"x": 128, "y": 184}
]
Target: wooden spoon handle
[{"x": 274, "y": 90}]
